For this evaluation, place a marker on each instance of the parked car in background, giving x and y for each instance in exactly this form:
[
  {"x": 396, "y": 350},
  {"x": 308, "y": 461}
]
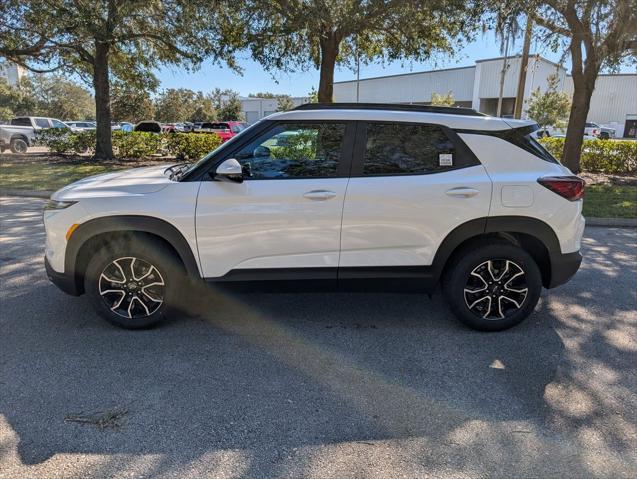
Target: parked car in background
[
  {"x": 81, "y": 125},
  {"x": 598, "y": 131},
  {"x": 173, "y": 127},
  {"x": 224, "y": 129},
  {"x": 38, "y": 122},
  {"x": 122, "y": 126},
  {"x": 149, "y": 126},
  {"x": 17, "y": 138}
]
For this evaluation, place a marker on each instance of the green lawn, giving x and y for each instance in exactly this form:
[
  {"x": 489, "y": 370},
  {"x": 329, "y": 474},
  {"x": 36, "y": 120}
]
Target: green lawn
[
  {"x": 33, "y": 176},
  {"x": 601, "y": 201}
]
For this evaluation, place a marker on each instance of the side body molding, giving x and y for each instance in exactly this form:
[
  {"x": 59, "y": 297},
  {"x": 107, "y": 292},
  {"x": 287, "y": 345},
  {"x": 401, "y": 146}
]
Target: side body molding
[{"x": 146, "y": 224}]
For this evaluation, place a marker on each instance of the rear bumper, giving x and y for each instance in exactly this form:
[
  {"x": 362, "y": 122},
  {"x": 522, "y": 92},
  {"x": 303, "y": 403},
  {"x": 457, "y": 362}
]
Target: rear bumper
[
  {"x": 63, "y": 281},
  {"x": 563, "y": 267}
]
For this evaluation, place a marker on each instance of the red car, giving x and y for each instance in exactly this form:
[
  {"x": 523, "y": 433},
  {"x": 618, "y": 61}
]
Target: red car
[{"x": 225, "y": 129}]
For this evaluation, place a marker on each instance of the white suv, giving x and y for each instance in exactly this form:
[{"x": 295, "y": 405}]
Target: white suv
[{"x": 348, "y": 196}]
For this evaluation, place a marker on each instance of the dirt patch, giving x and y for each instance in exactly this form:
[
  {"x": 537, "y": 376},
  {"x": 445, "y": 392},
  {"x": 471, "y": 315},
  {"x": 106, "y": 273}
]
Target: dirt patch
[{"x": 610, "y": 180}]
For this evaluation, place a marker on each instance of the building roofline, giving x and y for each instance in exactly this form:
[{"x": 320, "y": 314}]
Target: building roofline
[
  {"x": 531, "y": 55},
  {"x": 406, "y": 74}
]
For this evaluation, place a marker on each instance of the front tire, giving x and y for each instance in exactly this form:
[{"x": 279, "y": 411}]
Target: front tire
[
  {"x": 18, "y": 145},
  {"x": 492, "y": 286},
  {"x": 133, "y": 282}
]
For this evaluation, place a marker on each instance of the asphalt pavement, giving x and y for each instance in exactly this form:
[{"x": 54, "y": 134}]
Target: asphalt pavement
[{"x": 317, "y": 384}]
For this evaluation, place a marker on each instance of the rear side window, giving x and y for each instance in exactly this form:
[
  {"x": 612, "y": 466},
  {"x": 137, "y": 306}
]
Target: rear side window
[
  {"x": 406, "y": 149},
  {"x": 21, "y": 122},
  {"x": 42, "y": 122}
]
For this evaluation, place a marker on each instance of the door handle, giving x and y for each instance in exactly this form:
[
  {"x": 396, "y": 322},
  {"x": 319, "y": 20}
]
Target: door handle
[
  {"x": 462, "y": 192},
  {"x": 319, "y": 195}
]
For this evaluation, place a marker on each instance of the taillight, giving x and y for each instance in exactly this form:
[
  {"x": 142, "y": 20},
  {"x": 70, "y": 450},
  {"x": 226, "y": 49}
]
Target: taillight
[
  {"x": 595, "y": 132},
  {"x": 569, "y": 187}
]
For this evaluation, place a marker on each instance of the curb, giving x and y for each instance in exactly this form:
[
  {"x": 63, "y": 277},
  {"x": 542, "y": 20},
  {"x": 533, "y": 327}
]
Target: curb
[
  {"x": 26, "y": 193},
  {"x": 612, "y": 222},
  {"x": 605, "y": 222}
]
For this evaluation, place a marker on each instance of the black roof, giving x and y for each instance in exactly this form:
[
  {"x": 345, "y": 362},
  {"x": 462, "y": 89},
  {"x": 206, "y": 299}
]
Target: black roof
[{"x": 449, "y": 110}]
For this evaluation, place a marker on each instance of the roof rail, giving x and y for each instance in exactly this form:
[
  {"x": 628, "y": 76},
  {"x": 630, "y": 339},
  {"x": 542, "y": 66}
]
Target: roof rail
[{"x": 449, "y": 110}]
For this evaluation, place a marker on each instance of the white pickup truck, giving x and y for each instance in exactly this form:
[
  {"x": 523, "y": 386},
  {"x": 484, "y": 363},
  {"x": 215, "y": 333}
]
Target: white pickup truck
[{"x": 16, "y": 138}]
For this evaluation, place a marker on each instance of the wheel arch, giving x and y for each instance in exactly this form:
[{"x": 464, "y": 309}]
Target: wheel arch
[
  {"x": 531, "y": 234},
  {"x": 100, "y": 231}
]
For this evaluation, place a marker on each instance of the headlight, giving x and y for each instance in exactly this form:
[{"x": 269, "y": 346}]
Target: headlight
[{"x": 58, "y": 205}]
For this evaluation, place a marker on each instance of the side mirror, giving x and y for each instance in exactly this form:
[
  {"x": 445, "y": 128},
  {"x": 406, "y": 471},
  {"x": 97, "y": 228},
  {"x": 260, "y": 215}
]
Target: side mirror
[{"x": 229, "y": 170}]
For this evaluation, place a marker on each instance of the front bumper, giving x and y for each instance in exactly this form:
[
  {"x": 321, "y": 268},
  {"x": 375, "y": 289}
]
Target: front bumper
[
  {"x": 563, "y": 267},
  {"x": 62, "y": 280}
]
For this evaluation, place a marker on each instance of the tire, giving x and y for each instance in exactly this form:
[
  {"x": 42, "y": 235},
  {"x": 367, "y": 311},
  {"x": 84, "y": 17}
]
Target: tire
[
  {"x": 18, "y": 145},
  {"x": 134, "y": 282},
  {"x": 604, "y": 136},
  {"x": 492, "y": 269}
]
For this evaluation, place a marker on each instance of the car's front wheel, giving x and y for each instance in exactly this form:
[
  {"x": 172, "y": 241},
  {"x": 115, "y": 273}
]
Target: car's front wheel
[
  {"x": 133, "y": 283},
  {"x": 492, "y": 286}
]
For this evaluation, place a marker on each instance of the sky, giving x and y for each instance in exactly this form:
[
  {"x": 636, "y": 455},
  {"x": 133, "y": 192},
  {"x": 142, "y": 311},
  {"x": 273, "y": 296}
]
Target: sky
[{"x": 255, "y": 79}]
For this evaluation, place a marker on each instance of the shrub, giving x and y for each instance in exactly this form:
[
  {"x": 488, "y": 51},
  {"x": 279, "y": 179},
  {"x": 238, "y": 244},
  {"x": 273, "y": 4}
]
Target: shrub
[
  {"x": 600, "y": 156},
  {"x": 191, "y": 146},
  {"x": 136, "y": 144}
]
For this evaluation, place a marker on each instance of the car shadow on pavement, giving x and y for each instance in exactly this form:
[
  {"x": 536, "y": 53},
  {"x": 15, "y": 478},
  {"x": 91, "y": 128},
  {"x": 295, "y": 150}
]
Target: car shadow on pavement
[{"x": 278, "y": 383}]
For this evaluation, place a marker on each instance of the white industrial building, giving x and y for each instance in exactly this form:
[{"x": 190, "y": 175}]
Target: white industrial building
[
  {"x": 614, "y": 102},
  {"x": 11, "y": 72},
  {"x": 256, "y": 108}
]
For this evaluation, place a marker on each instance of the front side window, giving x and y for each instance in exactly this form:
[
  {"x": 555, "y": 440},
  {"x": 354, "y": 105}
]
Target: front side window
[
  {"x": 294, "y": 150},
  {"x": 406, "y": 149}
]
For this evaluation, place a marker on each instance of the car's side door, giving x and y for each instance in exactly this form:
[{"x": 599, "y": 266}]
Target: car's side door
[
  {"x": 411, "y": 184},
  {"x": 284, "y": 220}
]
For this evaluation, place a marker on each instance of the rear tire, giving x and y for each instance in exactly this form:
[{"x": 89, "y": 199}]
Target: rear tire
[
  {"x": 133, "y": 282},
  {"x": 18, "y": 145},
  {"x": 492, "y": 286}
]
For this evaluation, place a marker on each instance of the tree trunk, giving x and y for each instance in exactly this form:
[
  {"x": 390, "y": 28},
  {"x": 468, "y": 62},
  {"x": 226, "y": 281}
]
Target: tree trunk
[
  {"x": 329, "y": 52},
  {"x": 584, "y": 77},
  {"x": 103, "y": 144},
  {"x": 519, "y": 97}
]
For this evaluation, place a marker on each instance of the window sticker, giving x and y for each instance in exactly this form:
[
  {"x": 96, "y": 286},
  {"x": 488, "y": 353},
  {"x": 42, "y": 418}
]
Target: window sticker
[{"x": 445, "y": 159}]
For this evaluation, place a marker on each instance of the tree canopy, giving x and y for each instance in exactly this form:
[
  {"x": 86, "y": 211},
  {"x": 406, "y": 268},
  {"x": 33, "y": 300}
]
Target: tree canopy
[
  {"x": 291, "y": 35},
  {"x": 443, "y": 99},
  {"x": 102, "y": 39}
]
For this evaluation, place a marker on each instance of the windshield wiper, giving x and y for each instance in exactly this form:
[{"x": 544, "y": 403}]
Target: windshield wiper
[{"x": 175, "y": 170}]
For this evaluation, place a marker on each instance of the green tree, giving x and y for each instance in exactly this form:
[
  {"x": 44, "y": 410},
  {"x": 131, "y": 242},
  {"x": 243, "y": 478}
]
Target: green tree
[
  {"x": 289, "y": 35},
  {"x": 228, "y": 104},
  {"x": 15, "y": 101},
  {"x": 549, "y": 108},
  {"x": 597, "y": 34},
  {"x": 204, "y": 109},
  {"x": 443, "y": 99},
  {"x": 175, "y": 105},
  {"x": 130, "y": 102},
  {"x": 284, "y": 103},
  {"x": 102, "y": 39},
  {"x": 61, "y": 98}
]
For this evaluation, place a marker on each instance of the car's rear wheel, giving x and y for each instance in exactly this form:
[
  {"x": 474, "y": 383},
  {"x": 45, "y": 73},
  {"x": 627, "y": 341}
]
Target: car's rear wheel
[
  {"x": 133, "y": 283},
  {"x": 492, "y": 287},
  {"x": 18, "y": 145}
]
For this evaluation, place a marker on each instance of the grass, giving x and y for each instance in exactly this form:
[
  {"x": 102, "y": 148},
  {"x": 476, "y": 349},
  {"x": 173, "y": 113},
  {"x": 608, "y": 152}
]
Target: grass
[
  {"x": 605, "y": 201},
  {"x": 46, "y": 177},
  {"x": 601, "y": 201}
]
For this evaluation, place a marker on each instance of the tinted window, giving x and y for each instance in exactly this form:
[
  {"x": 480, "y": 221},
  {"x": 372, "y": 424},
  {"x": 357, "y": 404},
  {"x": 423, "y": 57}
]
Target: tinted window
[
  {"x": 294, "y": 151},
  {"x": 403, "y": 149},
  {"x": 42, "y": 122},
  {"x": 21, "y": 122},
  {"x": 238, "y": 128}
]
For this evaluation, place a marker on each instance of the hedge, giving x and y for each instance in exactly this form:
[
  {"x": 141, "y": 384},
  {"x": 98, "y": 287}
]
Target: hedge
[
  {"x": 137, "y": 144},
  {"x": 600, "y": 156}
]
